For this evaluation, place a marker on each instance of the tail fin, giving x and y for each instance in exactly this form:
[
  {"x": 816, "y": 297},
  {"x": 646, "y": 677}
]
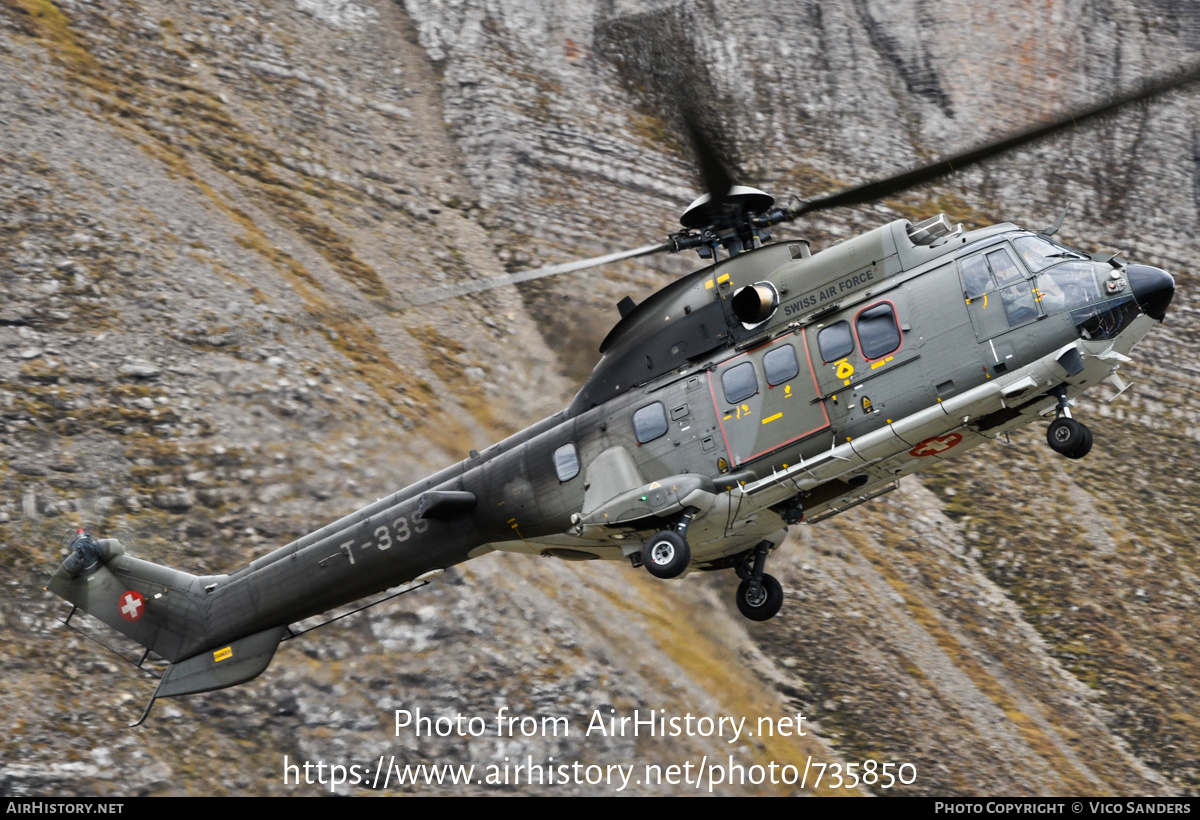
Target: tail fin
[
  {"x": 162, "y": 609},
  {"x": 151, "y": 604}
]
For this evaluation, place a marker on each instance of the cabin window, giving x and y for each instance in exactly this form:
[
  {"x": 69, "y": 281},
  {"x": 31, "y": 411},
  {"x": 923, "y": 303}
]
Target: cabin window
[
  {"x": 780, "y": 365},
  {"x": 878, "y": 332},
  {"x": 739, "y": 382},
  {"x": 650, "y": 422},
  {"x": 835, "y": 342},
  {"x": 566, "y": 462}
]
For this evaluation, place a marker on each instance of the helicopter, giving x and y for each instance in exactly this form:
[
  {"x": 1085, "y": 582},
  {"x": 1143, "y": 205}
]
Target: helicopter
[{"x": 774, "y": 386}]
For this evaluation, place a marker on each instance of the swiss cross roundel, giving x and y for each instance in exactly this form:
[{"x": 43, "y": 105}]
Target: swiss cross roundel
[
  {"x": 935, "y": 445},
  {"x": 131, "y": 605}
]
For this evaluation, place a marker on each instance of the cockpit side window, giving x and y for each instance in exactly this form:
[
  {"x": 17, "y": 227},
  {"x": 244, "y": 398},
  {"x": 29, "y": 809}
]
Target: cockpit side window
[
  {"x": 1019, "y": 304},
  {"x": 1004, "y": 268},
  {"x": 990, "y": 270},
  {"x": 976, "y": 278}
]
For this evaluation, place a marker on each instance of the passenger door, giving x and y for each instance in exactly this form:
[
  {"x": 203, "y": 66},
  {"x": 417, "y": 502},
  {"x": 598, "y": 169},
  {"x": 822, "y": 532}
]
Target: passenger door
[{"x": 767, "y": 399}]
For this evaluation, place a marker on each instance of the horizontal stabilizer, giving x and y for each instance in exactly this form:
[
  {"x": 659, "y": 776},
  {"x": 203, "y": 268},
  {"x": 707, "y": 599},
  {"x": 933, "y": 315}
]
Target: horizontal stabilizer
[
  {"x": 228, "y": 665},
  {"x": 443, "y": 504}
]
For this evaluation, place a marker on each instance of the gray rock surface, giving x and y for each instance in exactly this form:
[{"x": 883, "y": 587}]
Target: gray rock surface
[{"x": 211, "y": 209}]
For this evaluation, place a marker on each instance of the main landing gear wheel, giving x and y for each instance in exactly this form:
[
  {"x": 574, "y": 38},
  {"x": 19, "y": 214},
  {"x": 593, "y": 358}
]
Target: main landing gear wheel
[
  {"x": 760, "y": 602},
  {"x": 759, "y": 596},
  {"x": 666, "y": 555},
  {"x": 1069, "y": 437}
]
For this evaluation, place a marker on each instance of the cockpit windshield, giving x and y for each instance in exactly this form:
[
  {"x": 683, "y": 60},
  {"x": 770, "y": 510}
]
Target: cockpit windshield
[
  {"x": 1039, "y": 254},
  {"x": 1068, "y": 286}
]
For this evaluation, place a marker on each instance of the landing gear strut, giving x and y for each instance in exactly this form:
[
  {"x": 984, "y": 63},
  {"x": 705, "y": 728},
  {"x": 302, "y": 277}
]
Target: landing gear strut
[
  {"x": 759, "y": 596},
  {"x": 1065, "y": 435},
  {"x": 667, "y": 554}
]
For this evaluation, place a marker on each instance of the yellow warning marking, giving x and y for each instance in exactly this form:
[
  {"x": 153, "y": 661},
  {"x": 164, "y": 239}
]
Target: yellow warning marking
[
  {"x": 985, "y": 300},
  {"x": 770, "y": 419},
  {"x": 847, "y": 381},
  {"x": 724, "y": 277},
  {"x": 880, "y": 363},
  {"x": 709, "y": 285},
  {"x": 787, "y": 392},
  {"x": 223, "y": 654},
  {"x": 844, "y": 369}
]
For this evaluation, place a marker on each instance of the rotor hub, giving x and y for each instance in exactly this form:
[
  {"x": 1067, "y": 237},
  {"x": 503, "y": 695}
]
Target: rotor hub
[{"x": 741, "y": 199}]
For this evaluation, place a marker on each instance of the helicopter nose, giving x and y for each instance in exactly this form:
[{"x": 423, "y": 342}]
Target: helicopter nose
[{"x": 1153, "y": 289}]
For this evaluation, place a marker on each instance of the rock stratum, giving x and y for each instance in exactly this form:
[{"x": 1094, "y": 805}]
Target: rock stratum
[{"x": 211, "y": 214}]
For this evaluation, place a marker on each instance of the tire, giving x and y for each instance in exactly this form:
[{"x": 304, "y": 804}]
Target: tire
[
  {"x": 766, "y": 604},
  {"x": 1085, "y": 446},
  {"x": 1065, "y": 436},
  {"x": 666, "y": 555}
]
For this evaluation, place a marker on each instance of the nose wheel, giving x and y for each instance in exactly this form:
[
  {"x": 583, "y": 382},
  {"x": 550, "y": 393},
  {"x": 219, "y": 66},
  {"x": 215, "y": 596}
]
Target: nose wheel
[
  {"x": 1067, "y": 436},
  {"x": 667, "y": 554}
]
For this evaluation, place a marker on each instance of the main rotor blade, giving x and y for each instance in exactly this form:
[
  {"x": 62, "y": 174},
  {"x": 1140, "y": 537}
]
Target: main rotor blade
[
  {"x": 478, "y": 285},
  {"x": 873, "y": 191},
  {"x": 717, "y": 171},
  {"x": 655, "y": 56}
]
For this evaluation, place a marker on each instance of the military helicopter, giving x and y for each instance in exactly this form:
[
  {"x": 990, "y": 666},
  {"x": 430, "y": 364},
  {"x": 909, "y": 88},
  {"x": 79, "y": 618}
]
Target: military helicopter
[{"x": 775, "y": 385}]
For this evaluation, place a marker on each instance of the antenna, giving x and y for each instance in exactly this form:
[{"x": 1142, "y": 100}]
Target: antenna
[{"x": 1053, "y": 229}]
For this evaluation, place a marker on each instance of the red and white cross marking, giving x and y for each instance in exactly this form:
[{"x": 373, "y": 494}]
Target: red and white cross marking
[
  {"x": 934, "y": 446},
  {"x": 132, "y": 605}
]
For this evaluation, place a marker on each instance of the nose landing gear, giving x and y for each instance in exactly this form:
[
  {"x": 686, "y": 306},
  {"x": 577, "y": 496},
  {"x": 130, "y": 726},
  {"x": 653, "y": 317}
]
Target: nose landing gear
[
  {"x": 1065, "y": 435},
  {"x": 667, "y": 554}
]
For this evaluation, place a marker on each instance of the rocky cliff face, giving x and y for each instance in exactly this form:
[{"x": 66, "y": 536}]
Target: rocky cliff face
[{"x": 212, "y": 212}]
